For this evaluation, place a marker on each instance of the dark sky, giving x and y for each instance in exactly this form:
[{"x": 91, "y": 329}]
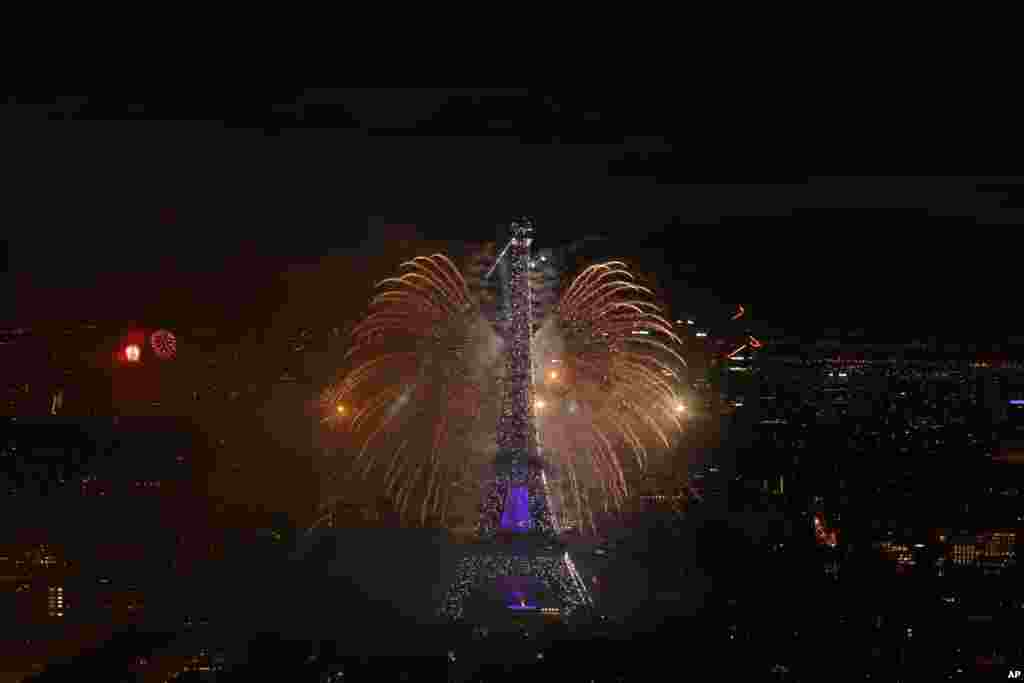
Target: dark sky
[{"x": 145, "y": 209}]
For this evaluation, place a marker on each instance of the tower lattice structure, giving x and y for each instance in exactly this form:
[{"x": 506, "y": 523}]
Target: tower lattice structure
[{"x": 517, "y": 540}]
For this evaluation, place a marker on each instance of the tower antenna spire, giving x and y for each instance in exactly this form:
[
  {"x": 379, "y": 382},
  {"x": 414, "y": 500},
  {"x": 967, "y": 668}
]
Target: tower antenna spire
[{"x": 521, "y": 228}]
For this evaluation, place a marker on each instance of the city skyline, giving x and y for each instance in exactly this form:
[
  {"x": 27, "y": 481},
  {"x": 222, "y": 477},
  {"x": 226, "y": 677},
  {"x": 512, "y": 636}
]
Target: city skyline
[{"x": 273, "y": 406}]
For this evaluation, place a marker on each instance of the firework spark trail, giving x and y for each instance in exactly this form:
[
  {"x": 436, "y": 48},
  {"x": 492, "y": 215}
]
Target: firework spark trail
[
  {"x": 434, "y": 464},
  {"x": 427, "y": 371},
  {"x": 369, "y": 440},
  {"x": 581, "y": 281},
  {"x": 650, "y": 421},
  {"x": 379, "y": 402},
  {"x": 458, "y": 289},
  {"x": 394, "y": 462},
  {"x": 733, "y": 353},
  {"x": 591, "y": 303},
  {"x": 391, "y": 490},
  {"x": 433, "y": 277},
  {"x": 585, "y": 506},
  {"x": 630, "y": 437},
  {"x": 605, "y": 458},
  {"x": 425, "y": 286},
  {"x": 364, "y": 372}
]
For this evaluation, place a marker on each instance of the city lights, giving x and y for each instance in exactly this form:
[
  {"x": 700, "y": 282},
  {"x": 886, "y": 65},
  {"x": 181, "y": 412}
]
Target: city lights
[
  {"x": 556, "y": 574},
  {"x": 472, "y": 427}
]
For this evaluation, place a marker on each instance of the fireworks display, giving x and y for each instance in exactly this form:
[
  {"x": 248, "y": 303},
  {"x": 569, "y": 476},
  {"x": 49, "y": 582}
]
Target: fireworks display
[
  {"x": 132, "y": 353},
  {"x": 424, "y": 408},
  {"x": 611, "y": 374},
  {"x": 164, "y": 344},
  {"x": 419, "y": 399}
]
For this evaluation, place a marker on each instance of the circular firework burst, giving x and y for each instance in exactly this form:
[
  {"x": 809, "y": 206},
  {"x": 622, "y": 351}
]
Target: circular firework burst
[
  {"x": 609, "y": 375},
  {"x": 164, "y": 344},
  {"x": 415, "y": 401},
  {"x": 422, "y": 398}
]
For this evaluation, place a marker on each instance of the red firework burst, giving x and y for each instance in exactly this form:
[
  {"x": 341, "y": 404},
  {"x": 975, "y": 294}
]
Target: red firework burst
[{"x": 164, "y": 344}]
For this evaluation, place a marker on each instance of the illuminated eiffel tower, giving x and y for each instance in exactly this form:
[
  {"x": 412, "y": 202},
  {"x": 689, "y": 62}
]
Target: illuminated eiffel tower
[{"x": 517, "y": 552}]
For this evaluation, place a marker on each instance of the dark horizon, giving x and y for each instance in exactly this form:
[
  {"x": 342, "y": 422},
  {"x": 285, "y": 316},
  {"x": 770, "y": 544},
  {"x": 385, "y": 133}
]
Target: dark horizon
[{"x": 967, "y": 297}]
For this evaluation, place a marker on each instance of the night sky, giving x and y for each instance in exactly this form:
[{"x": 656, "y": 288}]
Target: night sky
[{"x": 158, "y": 210}]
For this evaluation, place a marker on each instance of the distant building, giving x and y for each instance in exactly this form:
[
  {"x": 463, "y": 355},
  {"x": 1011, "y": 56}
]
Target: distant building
[
  {"x": 900, "y": 553},
  {"x": 963, "y": 550},
  {"x": 992, "y": 550}
]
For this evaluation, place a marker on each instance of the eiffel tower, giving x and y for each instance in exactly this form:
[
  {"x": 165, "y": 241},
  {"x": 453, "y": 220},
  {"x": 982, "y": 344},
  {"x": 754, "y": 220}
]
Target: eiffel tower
[{"x": 517, "y": 550}]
